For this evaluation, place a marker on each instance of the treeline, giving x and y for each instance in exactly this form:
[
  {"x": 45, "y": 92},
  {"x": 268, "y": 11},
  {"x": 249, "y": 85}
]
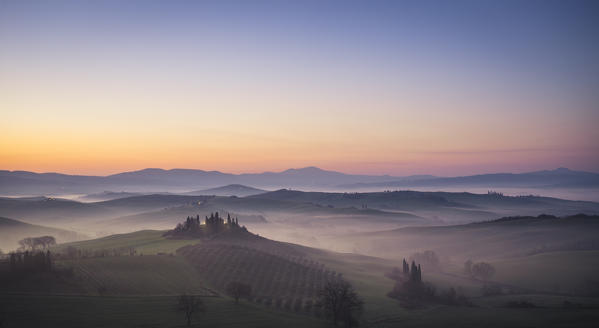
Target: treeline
[
  {"x": 580, "y": 216},
  {"x": 338, "y": 300},
  {"x": 72, "y": 252},
  {"x": 36, "y": 243},
  {"x": 30, "y": 261},
  {"x": 193, "y": 226}
]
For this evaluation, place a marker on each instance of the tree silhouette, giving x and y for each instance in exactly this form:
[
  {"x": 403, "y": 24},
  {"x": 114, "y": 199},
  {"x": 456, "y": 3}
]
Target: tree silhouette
[
  {"x": 238, "y": 290},
  {"x": 340, "y": 302},
  {"x": 189, "y": 305},
  {"x": 33, "y": 243}
]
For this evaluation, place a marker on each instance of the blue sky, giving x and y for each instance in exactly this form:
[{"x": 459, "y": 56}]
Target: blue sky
[{"x": 401, "y": 87}]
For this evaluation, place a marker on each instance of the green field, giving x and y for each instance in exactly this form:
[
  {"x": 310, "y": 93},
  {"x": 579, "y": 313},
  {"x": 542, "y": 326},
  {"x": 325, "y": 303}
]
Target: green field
[
  {"x": 149, "y": 311},
  {"x": 140, "y": 291},
  {"x": 144, "y": 241}
]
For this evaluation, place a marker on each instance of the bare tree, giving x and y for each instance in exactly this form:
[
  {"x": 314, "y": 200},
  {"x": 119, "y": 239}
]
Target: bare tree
[
  {"x": 45, "y": 241},
  {"x": 190, "y": 305},
  {"x": 27, "y": 244},
  {"x": 341, "y": 303},
  {"x": 33, "y": 243},
  {"x": 238, "y": 290}
]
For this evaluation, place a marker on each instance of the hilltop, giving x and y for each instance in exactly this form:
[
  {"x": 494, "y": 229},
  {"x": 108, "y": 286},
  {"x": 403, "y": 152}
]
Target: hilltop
[{"x": 228, "y": 190}]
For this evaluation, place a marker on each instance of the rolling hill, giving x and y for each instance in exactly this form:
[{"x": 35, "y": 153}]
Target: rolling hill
[
  {"x": 107, "y": 195},
  {"x": 61, "y": 212},
  {"x": 229, "y": 190},
  {"x": 503, "y": 238},
  {"x": 285, "y": 278},
  {"x": 183, "y": 180},
  {"x": 11, "y": 231},
  {"x": 448, "y": 207},
  {"x": 558, "y": 178},
  {"x": 175, "y": 180}
]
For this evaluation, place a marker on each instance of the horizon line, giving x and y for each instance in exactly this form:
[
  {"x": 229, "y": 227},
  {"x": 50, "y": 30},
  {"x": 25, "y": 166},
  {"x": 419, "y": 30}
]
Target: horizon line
[{"x": 299, "y": 168}]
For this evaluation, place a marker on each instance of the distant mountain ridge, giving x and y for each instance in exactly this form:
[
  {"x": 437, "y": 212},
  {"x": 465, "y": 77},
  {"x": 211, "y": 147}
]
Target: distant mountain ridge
[
  {"x": 184, "y": 180},
  {"x": 561, "y": 177}
]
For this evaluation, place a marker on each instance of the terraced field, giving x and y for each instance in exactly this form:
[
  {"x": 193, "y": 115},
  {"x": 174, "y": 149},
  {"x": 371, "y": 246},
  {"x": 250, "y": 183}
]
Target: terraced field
[{"x": 279, "y": 281}]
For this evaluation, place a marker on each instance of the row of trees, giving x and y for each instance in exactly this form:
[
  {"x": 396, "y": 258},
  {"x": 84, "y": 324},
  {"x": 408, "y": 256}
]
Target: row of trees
[
  {"x": 36, "y": 243},
  {"x": 338, "y": 299},
  {"x": 72, "y": 252},
  {"x": 282, "y": 281},
  {"x": 30, "y": 261},
  {"x": 212, "y": 224}
]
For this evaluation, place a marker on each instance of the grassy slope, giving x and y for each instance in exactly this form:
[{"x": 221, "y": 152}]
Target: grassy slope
[
  {"x": 478, "y": 241},
  {"x": 548, "y": 271},
  {"x": 366, "y": 273},
  {"x": 85, "y": 311},
  {"x": 11, "y": 231},
  {"x": 145, "y": 242}
]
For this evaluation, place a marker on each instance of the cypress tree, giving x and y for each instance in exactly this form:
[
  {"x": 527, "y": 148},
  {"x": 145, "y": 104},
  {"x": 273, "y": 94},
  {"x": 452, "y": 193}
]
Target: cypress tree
[{"x": 414, "y": 272}]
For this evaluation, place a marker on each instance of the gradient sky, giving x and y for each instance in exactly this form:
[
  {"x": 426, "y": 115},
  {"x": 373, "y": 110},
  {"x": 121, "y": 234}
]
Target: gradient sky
[{"x": 396, "y": 87}]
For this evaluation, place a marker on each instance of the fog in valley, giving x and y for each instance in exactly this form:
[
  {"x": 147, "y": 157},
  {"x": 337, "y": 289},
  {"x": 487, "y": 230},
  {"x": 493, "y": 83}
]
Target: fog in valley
[{"x": 299, "y": 164}]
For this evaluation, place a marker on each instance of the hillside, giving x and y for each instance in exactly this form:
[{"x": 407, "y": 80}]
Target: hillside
[
  {"x": 106, "y": 195},
  {"x": 229, "y": 190},
  {"x": 448, "y": 207},
  {"x": 285, "y": 277},
  {"x": 503, "y": 238},
  {"x": 11, "y": 231},
  {"x": 176, "y": 180},
  {"x": 61, "y": 212}
]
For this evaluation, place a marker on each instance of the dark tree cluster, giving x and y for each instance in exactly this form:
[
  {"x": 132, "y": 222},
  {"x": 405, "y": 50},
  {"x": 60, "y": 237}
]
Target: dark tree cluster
[
  {"x": 238, "y": 290},
  {"x": 36, "y": 243},
  {"x": 192, "y": 226},
  {"x": 30, "y": 261},
  {"x": 411, "y": 290},
  {"x": 72, "y": 252}
]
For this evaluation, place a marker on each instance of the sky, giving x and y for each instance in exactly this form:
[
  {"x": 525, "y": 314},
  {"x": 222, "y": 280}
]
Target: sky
[{"x": 372, "y": 87}]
